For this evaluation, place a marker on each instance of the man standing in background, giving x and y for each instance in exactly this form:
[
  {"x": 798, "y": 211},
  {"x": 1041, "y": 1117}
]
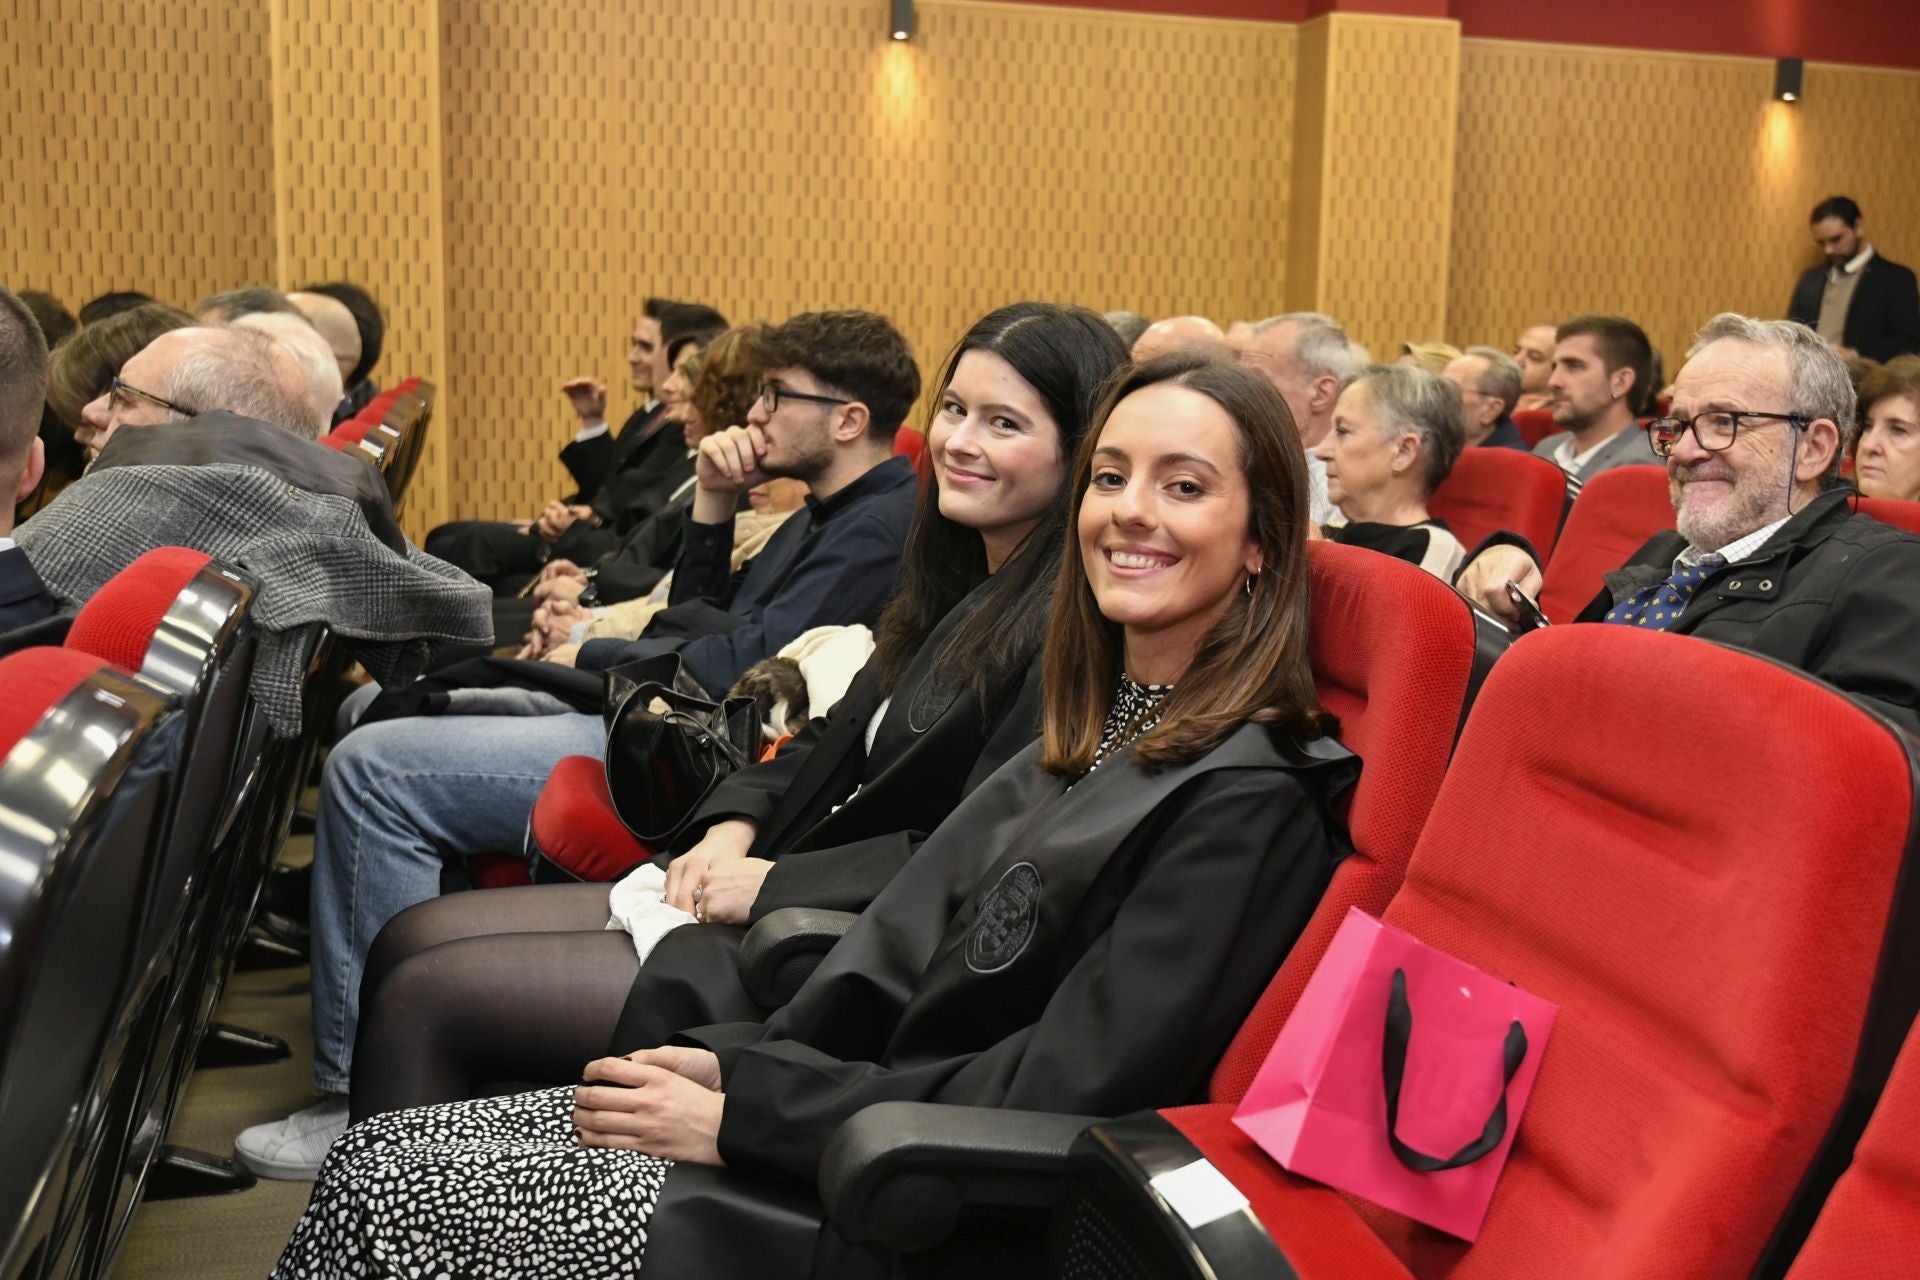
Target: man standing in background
[{"x": 1858, "y": 301}]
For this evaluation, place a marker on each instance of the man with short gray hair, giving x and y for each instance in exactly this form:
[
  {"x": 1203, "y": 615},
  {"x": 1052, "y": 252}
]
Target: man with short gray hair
[
  {"x": 1768, "y": 556},
  {"x": 188, "y": 372},
  {"x": 300, "y": 340},
  {"x": 1306, "y": 356},
  {"x": 1489, "y": 382}
]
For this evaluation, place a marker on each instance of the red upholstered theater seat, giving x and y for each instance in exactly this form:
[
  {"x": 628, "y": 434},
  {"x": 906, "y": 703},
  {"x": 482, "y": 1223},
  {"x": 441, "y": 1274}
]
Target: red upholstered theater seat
[
  {"x": 910, "y": 444},
  {"x": 575, "y": 828},
  {"x": 1713, "y": 948},
  {"x": 1493, "y": 489},
  {"x": 1394, "y": 657},
  {"x": 1901, "y": 515},
  {"x": 119, "y": 622},
  {"x": 1535, "y": 425},
  {"x": 1615, "y": 514},
  {"x": 1870, "y": 1227},
  {"x": 353, "y": 430}
]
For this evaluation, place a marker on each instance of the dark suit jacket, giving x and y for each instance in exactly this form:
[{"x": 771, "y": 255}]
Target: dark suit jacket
[
  {"x": 592, "y": 461},
  {"x": 24, "y": 598},
  {"x": 1884, "y": 319}
]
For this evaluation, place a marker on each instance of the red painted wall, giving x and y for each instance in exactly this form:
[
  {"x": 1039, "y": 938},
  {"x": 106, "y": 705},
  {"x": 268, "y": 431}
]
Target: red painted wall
[
  {"x": 1882, "y": 33},
  {"x": 1869, "y": 32}
]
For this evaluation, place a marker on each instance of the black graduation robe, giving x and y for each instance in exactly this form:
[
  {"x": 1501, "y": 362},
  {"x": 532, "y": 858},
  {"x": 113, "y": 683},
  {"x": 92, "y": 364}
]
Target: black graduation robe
[
  {"x": 1087, "y": 950},
  {"x": 838, "y": 821}
]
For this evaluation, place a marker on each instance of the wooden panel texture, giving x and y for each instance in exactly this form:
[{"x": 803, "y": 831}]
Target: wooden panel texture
[{"x": 772, "y": 156}]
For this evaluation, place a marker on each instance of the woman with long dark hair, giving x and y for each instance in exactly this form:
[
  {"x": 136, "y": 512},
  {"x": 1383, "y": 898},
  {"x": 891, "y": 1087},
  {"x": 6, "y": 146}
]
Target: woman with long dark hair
[
  {"x": 1083, "y": 934},
  {"x": 950, "y": 693}
]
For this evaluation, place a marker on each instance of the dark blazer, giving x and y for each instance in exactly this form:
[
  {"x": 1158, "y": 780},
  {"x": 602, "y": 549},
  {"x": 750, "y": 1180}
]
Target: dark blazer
[
  {"x": 1835, "y": 594},
  {"x": 839, "y": 821},
  {"x": 1087, "y": 950},
  {"x": 592, "y": 461},
  {"x": 641, "y": 488},
  {"x": 1884, "y": 318},
  {"x": 24, "y": 598}
]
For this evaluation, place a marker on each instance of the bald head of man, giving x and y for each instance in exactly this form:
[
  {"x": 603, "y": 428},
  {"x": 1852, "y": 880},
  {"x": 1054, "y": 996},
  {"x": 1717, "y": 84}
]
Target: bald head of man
[
  {"x": 1195, "y": 335},
  {"x": 335, "y": 323},
  {"x": 309, "y": 350}
]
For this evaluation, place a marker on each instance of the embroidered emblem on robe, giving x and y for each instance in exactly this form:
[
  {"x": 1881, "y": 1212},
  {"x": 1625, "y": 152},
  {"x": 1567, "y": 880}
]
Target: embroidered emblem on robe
[{"x": 1006, "y": 921}]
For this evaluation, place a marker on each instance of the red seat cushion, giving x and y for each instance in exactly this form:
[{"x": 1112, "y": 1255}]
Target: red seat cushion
[
  {"x": 1870, "y": 1227},
  {"x": 36, "y": 680},
  {"x": 1901, "y": 515},
  {"x": 1615, "y": 514},
  {"x": 1535, "y": 425},
  {"x": 575, "y": 828},
  {"x": 1392, "y": 650},
  {"x": 909, "y": 444},
  {"x": 119, "y": 621},
  {"x": 1491, "y": 489},
  {"x": 497, "y": 871}
]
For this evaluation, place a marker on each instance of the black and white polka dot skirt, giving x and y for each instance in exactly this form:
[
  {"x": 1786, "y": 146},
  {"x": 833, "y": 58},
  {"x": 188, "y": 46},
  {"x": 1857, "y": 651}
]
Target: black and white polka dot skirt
[{"x": 479, "y": 1190}]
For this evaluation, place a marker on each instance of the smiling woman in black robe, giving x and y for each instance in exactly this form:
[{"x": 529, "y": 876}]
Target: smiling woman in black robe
[{"x": 1083, "y": 934}]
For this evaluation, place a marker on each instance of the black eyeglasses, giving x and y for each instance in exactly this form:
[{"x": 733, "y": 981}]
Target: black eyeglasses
[
  {"x": 125, "y": 393},
  {"x": 772, "y": 393},
  {"x": 1715, "y": 429}
]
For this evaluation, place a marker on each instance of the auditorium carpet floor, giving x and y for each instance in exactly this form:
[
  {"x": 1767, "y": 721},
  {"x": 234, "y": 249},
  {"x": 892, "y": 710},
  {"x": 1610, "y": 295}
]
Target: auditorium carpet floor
[{"x": 237, "y": 1235}]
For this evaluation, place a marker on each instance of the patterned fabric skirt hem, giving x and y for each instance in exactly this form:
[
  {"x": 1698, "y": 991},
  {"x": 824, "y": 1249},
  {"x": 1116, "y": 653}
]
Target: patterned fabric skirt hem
[{"x": 481, "y": 1190}]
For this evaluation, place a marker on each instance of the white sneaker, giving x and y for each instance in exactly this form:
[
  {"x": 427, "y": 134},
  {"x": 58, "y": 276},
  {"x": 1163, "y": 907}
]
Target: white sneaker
[{"x": 293, "y": 1148}]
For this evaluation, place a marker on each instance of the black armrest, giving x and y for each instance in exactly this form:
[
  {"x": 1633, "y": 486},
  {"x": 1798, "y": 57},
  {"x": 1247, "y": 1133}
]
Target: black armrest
[
  {"x": 899, "y": 1173},
  {"x": 781, "y": 952}
]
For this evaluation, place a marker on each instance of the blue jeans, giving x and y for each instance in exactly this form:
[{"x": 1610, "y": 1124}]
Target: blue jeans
[{"x": 398, "y": 800}]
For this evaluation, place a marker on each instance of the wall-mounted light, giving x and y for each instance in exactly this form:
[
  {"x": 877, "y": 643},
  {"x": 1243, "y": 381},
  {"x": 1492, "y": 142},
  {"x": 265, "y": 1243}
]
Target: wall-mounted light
[
  {"x": 1786, "y": 79},
  {"x": 900, "y": 17}
]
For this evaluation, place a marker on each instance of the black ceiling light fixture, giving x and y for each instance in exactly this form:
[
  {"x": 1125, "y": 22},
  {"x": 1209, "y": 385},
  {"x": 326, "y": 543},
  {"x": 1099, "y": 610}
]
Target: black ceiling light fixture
[
  {"x": 900, "y": 19},
  {"x": 1786, "y": 79}
]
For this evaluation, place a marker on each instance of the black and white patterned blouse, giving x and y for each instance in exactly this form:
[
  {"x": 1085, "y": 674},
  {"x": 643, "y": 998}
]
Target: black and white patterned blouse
[{"x": 1135, "y": 711}]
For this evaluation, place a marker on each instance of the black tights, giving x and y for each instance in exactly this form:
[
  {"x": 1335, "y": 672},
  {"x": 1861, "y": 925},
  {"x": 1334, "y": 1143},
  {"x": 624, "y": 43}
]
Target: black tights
[{"x": 469, "y": 991}]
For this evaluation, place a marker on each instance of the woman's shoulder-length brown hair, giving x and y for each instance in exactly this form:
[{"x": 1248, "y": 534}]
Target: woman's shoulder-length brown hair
[{"x": 1253, "y": 664}]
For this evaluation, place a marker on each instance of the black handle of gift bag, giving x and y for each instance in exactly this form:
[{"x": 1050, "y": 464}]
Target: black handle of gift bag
[{"x": 1393, "y": 1069}]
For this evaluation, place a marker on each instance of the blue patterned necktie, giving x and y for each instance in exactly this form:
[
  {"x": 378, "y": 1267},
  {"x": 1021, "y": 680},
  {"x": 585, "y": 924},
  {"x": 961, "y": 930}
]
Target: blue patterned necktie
[{"x": 1660, "y": 605}]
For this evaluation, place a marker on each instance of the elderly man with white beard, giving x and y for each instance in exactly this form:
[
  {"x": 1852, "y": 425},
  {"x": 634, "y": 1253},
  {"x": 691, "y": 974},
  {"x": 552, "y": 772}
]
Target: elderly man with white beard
[{"x": 1768, "y": 557}]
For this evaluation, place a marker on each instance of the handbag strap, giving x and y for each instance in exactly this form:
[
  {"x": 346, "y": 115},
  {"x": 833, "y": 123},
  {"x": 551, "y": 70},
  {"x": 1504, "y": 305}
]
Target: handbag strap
[{"x": 1393, "y": 1069}]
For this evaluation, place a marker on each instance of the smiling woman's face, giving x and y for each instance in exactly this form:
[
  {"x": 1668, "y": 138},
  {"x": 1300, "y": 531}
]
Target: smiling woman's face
[
  {"x": 996, "y": 449},
  {"x": 1164, "y": 523}
]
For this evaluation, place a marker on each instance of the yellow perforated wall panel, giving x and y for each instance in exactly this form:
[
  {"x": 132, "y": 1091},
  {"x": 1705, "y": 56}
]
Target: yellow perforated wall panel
[
  {"x": 136, "y": 150},
  {"x": 1377, "y": 162},
  {"x": 357, "y": 195},
  {"x": 770, "y": 156},
  {"x": 1659, "y": 186}
]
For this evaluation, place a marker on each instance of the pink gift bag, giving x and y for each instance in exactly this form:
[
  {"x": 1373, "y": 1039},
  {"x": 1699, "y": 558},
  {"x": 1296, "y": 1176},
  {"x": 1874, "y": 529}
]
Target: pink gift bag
[{"x": 1400, "y": 1077}]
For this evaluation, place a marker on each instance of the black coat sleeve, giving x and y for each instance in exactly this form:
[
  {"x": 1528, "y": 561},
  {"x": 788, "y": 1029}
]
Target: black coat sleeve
[
  {"x": 1138, "y": 1020},
  {"x": 587, "y": 461},
  {"x": 846, "y": 877},
  {"x": 1868, "y": 645},
  {"x": 752, "y": 792}
]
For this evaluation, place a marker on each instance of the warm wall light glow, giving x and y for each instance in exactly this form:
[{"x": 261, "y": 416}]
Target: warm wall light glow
[
  {"x": 1779, "y": 146},
  {"x": 899, "y": 83}
]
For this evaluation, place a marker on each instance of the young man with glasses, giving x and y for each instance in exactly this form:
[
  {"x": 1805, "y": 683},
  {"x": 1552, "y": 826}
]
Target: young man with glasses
[{"x": 1768, "y": 555}]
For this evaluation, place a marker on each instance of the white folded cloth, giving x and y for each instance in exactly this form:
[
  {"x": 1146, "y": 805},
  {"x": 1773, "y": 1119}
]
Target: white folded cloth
[{"x": 639, "y": 905}]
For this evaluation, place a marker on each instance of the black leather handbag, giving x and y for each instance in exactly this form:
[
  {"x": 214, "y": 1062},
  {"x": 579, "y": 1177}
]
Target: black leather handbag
[{"x": 669, "y": 745}]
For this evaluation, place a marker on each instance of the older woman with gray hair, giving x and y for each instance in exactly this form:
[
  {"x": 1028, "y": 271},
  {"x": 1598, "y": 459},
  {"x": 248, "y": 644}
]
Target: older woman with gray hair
[{"x": 1397, "y": 431}]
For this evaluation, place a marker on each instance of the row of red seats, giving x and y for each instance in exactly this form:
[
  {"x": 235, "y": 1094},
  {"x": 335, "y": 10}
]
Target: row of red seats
[
  {"x": 1615, "y": 514},
  {"x": 389, "y": 432},
  {"x": 1711, "y": 881},
  {"x": 143, "y": 800}
]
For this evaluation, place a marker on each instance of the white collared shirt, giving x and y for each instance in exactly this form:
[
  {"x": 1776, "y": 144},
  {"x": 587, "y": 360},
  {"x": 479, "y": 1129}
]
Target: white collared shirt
[
  {"x": 1853, "y": 264},
  {"x": 6, "y": 543},
  {"x": 1570, "y": 462},
  {"x": 1734, "y": 552}
]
